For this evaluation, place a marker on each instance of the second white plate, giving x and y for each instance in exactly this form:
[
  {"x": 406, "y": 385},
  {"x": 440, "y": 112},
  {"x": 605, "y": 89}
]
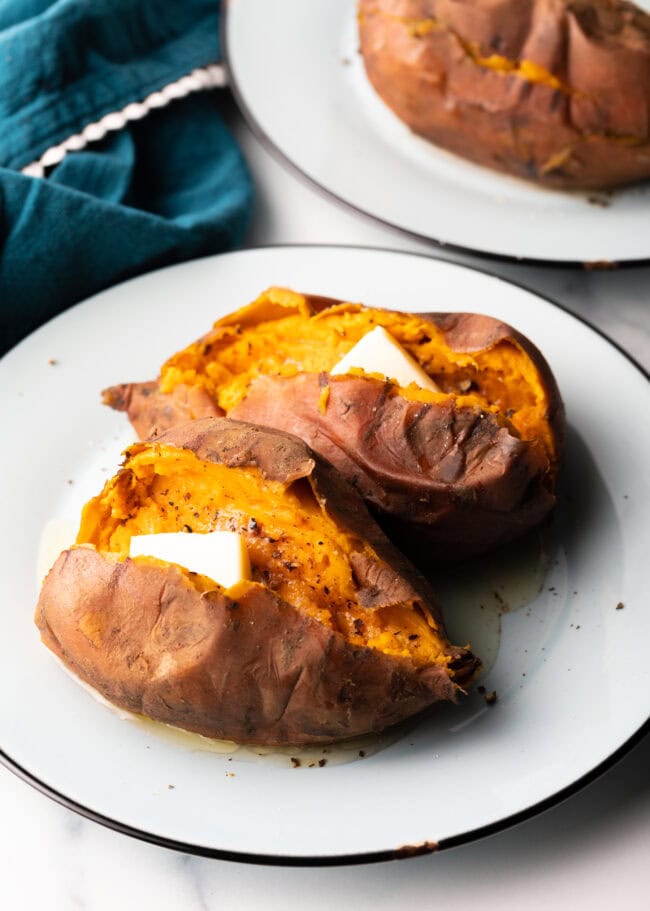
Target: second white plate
[{"x": 298, "y": 76}]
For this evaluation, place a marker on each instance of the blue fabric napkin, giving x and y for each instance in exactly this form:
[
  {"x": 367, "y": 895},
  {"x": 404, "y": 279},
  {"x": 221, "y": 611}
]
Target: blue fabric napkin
[{"x": 166, "y": 188}]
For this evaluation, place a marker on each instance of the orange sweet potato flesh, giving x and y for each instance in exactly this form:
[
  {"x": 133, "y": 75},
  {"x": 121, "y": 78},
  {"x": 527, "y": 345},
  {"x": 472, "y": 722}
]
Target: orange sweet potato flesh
[
  {"x": 554, "y": 91},
  {"x": 462, "y": 470},
  {"x": 335, "y": 636}
]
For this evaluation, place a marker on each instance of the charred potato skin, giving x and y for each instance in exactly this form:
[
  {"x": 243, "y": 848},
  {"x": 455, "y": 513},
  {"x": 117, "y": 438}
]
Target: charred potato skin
[
  {"x": 579, "y": 118},
  {"x": 252, "y": 669}
]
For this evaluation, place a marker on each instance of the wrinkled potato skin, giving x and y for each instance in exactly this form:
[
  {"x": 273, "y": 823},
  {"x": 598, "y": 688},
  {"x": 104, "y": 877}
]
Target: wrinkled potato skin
[
  {"x": 152, "y": 412},
  {"x": 589, "y": 127},
  {"x": 254, "y": 669},
  {"x": 456, "y": 479}
]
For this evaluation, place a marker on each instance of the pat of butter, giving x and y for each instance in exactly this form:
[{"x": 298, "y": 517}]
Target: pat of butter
[
  {"x": 378, "y": 352},
  {"x": 220, "y": 555}
]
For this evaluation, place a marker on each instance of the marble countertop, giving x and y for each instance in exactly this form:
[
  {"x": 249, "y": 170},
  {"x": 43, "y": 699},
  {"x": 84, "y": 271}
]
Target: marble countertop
[{"x": 589, "y": 852}]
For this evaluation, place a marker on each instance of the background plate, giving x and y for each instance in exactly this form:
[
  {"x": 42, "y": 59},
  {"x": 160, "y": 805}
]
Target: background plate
[
  {"x": 298, "y": 77},
  {"x": 571, "y": 674}
]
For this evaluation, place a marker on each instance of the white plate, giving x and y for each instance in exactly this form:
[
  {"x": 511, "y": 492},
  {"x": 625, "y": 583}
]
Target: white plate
[
  {"x": 464, "y": 771},
  {"x": 299, "y": 78}
]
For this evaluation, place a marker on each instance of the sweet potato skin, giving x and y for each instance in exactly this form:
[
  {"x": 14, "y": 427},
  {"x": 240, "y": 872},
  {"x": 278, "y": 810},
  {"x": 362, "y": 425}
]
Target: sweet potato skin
[
  {"x": 576, "y": 116},
  {"x": 247, "y": 667},
  {"x": 152, "y": 412},
  {"x": 454, "y": 476}
]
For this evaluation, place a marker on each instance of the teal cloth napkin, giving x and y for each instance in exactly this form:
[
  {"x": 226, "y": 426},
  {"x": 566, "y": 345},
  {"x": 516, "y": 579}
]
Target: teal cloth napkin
[{"x": 166, "y": 188}]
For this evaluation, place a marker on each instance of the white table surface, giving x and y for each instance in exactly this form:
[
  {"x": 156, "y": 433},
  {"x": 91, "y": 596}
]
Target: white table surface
[{"x": 591, "y": 852}]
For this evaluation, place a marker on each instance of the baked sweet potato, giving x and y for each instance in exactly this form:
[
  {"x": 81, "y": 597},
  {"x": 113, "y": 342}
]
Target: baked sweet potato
[
  {"x": 453, "y": 473},
  {"x": 555, "y": 91},
  {"x": 337, "y": 635}
]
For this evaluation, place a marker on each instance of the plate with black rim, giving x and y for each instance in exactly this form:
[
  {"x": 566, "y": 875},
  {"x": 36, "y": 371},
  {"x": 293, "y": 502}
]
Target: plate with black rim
[
  {"x": 569, "y": 667},
  {"x": 298, "y": 77}
]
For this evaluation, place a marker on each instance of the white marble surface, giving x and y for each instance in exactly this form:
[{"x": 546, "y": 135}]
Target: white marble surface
[{"x": 591, "y": 852}]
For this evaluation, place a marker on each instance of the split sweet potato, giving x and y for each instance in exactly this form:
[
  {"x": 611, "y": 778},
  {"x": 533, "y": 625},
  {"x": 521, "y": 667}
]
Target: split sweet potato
[
  {"x": 336, "y": 635},
  {"x": 452, "y": 473},
  {"x": 554, "y": 91}
]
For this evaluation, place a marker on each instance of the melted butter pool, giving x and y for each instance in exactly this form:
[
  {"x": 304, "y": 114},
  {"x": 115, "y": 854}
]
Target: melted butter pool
[
  {"x": 316, "y": 756},
  {"x": 475, "y": 594},
  {"x": 310, "y": 757}
]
